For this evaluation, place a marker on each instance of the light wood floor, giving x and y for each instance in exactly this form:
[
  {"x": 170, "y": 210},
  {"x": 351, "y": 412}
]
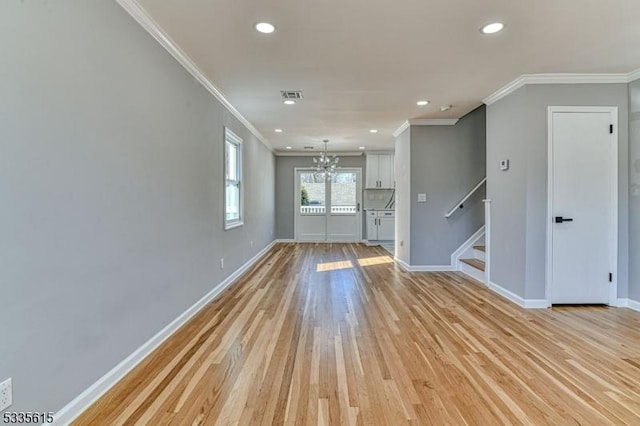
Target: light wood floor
[{"x": 337, "y": 334}]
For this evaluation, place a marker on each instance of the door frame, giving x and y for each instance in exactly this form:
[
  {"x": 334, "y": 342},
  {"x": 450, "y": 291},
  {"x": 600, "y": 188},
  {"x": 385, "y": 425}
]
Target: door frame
[
  {"x": 296, "y": 195},
  {"x": 613, "y": 241}
]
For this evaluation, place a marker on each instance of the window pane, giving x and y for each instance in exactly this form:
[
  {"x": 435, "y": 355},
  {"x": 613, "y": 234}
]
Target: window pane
[
  {"x": 233, "y": 201},
  {"x": 312, "y": 193},
  {"x": 232, "y": 161},
  {"x": 343, "y": 193}
]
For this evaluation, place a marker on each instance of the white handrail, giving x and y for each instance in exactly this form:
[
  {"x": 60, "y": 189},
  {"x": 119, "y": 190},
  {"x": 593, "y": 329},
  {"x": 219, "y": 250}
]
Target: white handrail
[{"x": 453, "y": 210}]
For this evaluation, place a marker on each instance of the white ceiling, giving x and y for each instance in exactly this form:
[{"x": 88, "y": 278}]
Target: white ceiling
[{"x": 363, "y": 64}]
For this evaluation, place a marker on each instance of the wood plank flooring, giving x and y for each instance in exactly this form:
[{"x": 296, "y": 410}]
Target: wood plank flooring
[{"x": 338, "y": 334}]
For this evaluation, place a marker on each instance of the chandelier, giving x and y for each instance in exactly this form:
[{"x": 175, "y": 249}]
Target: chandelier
[{"x": 325, "y": 163}]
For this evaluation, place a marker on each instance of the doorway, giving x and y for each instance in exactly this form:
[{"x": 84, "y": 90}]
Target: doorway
[
  {"x": 327, "y": 208},
  {"x": 582, "y": 216}
]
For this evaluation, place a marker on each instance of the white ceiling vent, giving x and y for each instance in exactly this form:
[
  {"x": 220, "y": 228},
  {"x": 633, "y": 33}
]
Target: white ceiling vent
[
  {"x": 291, "y": 94},
  {"x": 308, "y": 147}
]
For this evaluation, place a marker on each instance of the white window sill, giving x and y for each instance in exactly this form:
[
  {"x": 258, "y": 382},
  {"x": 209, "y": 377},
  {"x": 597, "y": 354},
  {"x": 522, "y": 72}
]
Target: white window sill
[{"x": 232, "y": 225}]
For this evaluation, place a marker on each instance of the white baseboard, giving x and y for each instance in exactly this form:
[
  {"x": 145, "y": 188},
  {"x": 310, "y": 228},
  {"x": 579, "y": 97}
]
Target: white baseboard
[
  {"x": 467, "y": 245},
  {"x": 424, "y": 268},
  {"x": 621, "y": 303},
  {"x": 525, "y": 303},
  {"x": 285, "y": 240},
  {"x": 83, "y": 401},
  {"x": 628, "y": 303},
  {"x": 536, "y": 304}
]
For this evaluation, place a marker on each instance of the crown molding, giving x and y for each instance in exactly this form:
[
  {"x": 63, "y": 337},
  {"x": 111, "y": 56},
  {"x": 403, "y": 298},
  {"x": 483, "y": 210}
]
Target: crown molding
[
  {"x": 433, "y": 121},
  {"x": 315, "y": 153},
  {"x": 401, "y": 129},
  {"x": 526, "y": 79},
  {"x": 425, "y": 122},
  {"x": 153, "y": 28},
  {"x": 634, "y": 75}
]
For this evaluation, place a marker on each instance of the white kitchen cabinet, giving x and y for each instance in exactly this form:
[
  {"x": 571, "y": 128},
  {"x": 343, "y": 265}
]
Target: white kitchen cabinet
[
  {"x": 386, "y": 228},
  {"x": 381, "y": 225},
  {"x": 380, "y": 173}
]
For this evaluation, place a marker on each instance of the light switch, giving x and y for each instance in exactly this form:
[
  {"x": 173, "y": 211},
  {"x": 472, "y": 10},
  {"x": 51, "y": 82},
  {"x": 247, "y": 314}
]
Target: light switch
[
  {"x": 422, "y": 198},
  {"x": 504, "y": 165}
]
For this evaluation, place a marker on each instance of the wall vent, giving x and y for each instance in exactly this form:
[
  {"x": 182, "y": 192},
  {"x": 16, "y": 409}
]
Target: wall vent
[{"x": 291, "y": 94}]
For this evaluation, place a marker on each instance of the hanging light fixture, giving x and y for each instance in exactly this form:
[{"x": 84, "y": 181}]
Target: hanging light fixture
[{"x": 325, "y": 163}]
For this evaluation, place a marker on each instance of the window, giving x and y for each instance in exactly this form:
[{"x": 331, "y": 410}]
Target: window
[{"x": 233, "y": 180}]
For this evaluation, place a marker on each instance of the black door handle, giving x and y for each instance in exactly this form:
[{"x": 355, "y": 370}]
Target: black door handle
[{"x": 560, "y": 219}]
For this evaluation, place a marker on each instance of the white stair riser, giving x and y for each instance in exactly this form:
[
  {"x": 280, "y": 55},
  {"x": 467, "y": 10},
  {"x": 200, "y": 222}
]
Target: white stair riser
[
  {"x": 479, "y": 254},
  {"x": 472, "y": 272}
]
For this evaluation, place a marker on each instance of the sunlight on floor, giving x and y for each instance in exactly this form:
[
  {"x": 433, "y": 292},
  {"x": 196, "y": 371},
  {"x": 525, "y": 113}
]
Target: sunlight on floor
[
  {"x": 379, "y": 260},
  {"x": 334, "y": 266}
]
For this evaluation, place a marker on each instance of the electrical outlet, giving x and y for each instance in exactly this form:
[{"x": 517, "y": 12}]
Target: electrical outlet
[
  {"x": 6, "y": 397},
  {"x": 222, "y": 263}
]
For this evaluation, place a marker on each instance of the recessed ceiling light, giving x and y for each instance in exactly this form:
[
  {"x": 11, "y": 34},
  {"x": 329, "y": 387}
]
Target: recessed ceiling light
[
  {"x": 422, "y": 103},
  {"x": 492, "y": 28},
  {"x": 278, "y": 130},
  {"x": 265, "y": 27},
  {"x": 362, "y": 147},
  {"x": 290, "y": 102},
  {"x": 373, "y": 131},
  {"x": 289, "y": 147}
]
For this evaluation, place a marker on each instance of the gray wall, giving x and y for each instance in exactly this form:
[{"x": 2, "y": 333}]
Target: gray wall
[
  {"x": 402, "y": 170},
  {"x": 446, "y": 163},
  {"x": 111, "y": 193},
  {"x": 285, "y": 184},
  {"x": 634, "y": 191},
  {"x": 517, "y": 130},
  {"x": 506, "y": 139}
]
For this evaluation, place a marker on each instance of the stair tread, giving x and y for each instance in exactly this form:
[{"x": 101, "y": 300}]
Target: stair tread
[
  {"x": 481, "y": 248},
  {"x": 476, "y": 263}
]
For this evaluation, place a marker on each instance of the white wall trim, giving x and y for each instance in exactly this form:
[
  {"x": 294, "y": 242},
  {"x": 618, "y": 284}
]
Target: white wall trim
[
  {"x": 632, "y": 304},
  {"x": 152, "y": 27},
  {"x": 404, "y": 265},
  {"x": 315, "y": 153},
  {"x": 467, "y": 245},
  {"x": 423, "y": 268},
  {"x": 507, "y": 294},
  {"x": 286, "y": 241},
  {"x": 434, "y": 121},
  {"x": 404, "y": 126},
  {"x": 536, "y": 304},
  {"x": 551, "y": 110},
  {"x": 525, "y": 79},
  {"x": 634, "y": 75},
  {"x": 621, "y": 303},
  {"x": 83, "y": 401},
  {"x": 454, "y": 257},
  {"x": 628, "y": 303},
  {"x": 524, "y": 303},
  {"x": 425, "y": 122}
]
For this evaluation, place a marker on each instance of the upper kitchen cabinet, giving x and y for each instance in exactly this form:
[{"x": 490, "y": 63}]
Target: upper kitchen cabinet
[{"x": 380, "y": 171}]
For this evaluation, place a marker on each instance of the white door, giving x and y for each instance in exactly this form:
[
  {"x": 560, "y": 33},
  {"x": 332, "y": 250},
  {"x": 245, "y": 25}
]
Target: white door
[
  {"x": 344, "y": 221},
  {"x": 328, "y": 209},
  {"x": 583, "y": 205},
  {"x": 311, "y": 206}
]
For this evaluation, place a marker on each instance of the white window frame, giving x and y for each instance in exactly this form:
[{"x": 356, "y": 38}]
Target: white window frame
[{"x": 232, "y": 138}]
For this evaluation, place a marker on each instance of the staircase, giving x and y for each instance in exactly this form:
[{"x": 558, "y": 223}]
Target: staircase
[
  {"x": 475, "y": 266},
  {"x": 471, "y": 257}
]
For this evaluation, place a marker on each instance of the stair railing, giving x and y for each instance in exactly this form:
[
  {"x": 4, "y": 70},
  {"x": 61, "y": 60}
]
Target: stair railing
[{"x": 461, "y": 203}]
